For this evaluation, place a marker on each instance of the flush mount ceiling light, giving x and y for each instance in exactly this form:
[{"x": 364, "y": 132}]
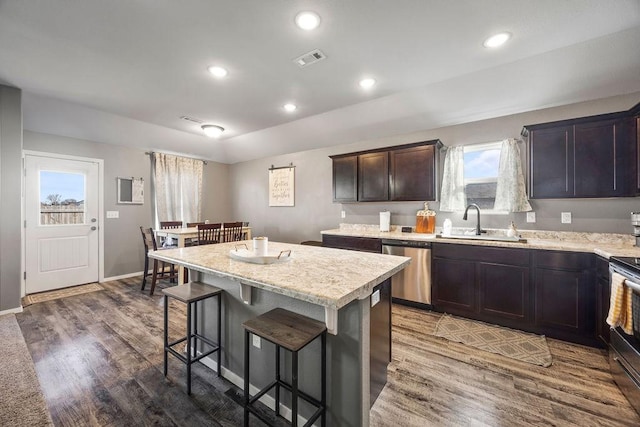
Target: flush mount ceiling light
[
  {"x": 217, "y": 71},
  {"x": 212, "y": 131},
  {"x": 290, "y": 107},
  {"x": 496, "y": 40},
  {"x": 307, "y": 20},
  {"x": 367, "y": 83}
]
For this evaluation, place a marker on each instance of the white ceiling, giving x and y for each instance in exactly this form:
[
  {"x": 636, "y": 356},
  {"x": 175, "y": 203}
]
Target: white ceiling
[{"x": 123, "y": 71}]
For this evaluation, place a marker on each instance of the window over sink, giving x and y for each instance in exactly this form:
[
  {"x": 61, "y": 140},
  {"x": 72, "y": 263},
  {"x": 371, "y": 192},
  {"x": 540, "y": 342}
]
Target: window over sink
[{"x": 481, "y": 165}]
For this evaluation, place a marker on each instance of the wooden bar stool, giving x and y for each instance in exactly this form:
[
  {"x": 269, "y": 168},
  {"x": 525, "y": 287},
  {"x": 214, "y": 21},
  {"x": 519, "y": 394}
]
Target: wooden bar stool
[
  {"x": 292, "y": 332},
  {"x": 190, "y": 294}
]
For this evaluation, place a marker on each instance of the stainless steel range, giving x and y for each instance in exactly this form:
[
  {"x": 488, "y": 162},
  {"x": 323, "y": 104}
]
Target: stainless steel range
[{"x": 624, "y": 351}]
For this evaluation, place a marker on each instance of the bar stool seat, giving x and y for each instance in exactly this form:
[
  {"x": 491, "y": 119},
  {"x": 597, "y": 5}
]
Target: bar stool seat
[
  {"x": 292, "y": 332},
  {"x": 190, "y": 294}
]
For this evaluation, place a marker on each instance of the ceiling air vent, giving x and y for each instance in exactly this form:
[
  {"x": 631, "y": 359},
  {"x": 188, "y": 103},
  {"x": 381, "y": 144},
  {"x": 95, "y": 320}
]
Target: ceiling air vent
[
  {"x": 191, "y": 119},
  {"x": 309, "y": 58}
]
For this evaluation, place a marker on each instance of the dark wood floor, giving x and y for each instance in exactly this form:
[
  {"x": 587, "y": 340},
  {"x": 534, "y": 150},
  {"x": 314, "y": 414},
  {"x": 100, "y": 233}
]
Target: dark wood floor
[{"x": 99, "y": 359}]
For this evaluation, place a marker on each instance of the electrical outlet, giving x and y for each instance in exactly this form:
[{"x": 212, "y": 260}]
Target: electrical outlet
[
  {"x": 256, "y": 341},
  {"x": 375, "y": 297},
  {"x": 531, "y": 217},
  {"x": 113, "y": 214},
  {"x": 565, "y": 217},
  {"x": 343, "y": 214}
]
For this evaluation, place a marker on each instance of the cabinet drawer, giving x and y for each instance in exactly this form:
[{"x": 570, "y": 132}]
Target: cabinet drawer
[
  {"x": 482, "y": 254},
  {"x": 575, "y": 261},
  {"x": 365, "y": 244}
]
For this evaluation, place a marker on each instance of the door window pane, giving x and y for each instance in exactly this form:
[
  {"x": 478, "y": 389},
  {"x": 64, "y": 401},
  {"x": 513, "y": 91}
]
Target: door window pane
[{"x": 62, "y": 196}]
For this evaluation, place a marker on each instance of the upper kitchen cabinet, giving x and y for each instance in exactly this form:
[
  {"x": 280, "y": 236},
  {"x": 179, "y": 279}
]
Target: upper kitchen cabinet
[
  {"x": 345, "y": 179},
  {"x": 412, "y": 173},
  {"x": 586, "y": 157},
  {"x": 373, "y": 177},
  {"x": 402, "y": 173}
]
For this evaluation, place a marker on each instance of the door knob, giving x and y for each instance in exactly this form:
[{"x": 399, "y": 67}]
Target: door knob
[
  {"x": 94, "y": 228},
  {"x": 93, "y": 220}
]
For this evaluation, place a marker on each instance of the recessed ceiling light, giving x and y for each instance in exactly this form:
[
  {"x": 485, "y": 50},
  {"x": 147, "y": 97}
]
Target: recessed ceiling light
[
  {"x": 212, "y": 131},
  {"x": 497, "y": 40},
  {"x": 290, "y": 107},
  {"x": 307, "y": 20},
  {"x": 218, "y": 71},
  {"x": 367, "y": 83}
]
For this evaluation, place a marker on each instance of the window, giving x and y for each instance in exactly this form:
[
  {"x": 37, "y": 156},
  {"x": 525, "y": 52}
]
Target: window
[
  {"x": 481, "y": 165},
  {"x": 62, "y": 197}
]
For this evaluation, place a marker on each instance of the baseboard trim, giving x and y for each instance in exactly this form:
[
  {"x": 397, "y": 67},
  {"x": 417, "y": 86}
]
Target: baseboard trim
[
  {"x": 12, "y": 311},
  {"x": 123, "y": 276}
]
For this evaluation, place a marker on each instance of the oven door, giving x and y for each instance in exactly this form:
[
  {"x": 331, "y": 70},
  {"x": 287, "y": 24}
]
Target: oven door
[{"x": 624, "y": 361}]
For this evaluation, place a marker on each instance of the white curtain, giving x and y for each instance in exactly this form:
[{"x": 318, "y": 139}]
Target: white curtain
[
  {"x": 178, "y": 188},
  {"x": 453, "y": 197},
  {"x": 511, "y": 193}
]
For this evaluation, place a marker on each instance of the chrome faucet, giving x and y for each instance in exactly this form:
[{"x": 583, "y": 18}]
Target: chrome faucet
[{"x": 473, "y": 205}]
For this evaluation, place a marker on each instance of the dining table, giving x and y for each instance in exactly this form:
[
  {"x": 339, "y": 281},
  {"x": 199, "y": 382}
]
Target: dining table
[{"x": 184, "y": 234}]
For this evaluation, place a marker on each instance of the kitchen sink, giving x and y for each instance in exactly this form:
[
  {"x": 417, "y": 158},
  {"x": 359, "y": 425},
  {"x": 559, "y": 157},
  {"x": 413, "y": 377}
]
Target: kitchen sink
[{"x": 485, "y": 237}]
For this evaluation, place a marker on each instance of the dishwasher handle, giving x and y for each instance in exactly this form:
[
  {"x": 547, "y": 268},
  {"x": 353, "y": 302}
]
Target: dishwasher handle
[{"x": 407, "y": 243}]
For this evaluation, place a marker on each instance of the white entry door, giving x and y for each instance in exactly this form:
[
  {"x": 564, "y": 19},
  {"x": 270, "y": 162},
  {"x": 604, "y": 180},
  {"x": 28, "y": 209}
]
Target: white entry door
[{"x": 62, "y": 238}]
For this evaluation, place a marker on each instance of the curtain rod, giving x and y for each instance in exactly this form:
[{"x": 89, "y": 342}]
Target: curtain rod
[
  {"x": 282, "y": 167},
  {"x": 193, "y": 158}
]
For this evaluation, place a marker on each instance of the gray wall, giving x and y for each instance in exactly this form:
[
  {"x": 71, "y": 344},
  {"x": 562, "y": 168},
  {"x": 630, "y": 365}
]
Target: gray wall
[
  {"x": 314, "y": 210},
  {"x": 123, "y": 250},
  {"x": 10, "y": 196}
]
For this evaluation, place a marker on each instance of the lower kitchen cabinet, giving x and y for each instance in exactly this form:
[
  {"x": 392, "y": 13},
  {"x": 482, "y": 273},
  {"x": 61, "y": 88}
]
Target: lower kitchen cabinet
[
  {"x": 603, "y": 299},
  {"x": 485, "y": 283},
  {"x": 565, "y": 303}
]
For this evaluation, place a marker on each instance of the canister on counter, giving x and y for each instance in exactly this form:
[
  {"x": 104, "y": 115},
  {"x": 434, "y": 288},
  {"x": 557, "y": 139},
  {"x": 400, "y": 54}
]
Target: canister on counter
[{"x": 426, "y": 220}]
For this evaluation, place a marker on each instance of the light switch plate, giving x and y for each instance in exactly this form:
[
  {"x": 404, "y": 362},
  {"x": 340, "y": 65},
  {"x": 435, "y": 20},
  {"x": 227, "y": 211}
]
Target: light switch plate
[
  {"x": 256, "y": 341},
  {"x": 565, "y": 217},
  {"x": 531, "y": 217},
  {"x": 113, "y": 214},
  {"x": 343, "y": 214}
]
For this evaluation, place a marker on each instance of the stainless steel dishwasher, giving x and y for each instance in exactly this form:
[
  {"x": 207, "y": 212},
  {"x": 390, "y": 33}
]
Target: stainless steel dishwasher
[{"x": 413, "y": 284}]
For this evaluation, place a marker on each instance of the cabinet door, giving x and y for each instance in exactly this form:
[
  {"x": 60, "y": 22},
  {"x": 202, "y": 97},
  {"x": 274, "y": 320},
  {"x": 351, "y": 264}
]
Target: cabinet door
[
  {"x": 551, "y": 163},
  {"x": 373, "y": 177},
  {"x": 345, "y": 179},
  {"x": 454, "y": 286},
  {"x": 413, "y": 173},
  {"x": 603, "y": 295},
  {"x": 504, "y": 292},
  {"x": 602, "y": 159},
  {"x": 564, "y": 301}
]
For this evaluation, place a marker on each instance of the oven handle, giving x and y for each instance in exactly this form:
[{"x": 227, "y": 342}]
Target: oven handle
[{"x": 632, "y": 285}]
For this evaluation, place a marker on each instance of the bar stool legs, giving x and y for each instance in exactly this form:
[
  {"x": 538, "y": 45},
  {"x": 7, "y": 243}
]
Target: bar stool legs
[
  {"x": 191, "y": 294},
  {"x": 292, "y": 332}
]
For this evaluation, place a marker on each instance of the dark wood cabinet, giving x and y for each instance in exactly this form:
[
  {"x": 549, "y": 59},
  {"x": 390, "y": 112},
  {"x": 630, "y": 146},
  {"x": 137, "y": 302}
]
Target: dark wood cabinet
[
  {"x": 364, "y": 244},
  {"x": 373, "y": 177},
  {"x": 603, "y": 299},
  {"x": 587, "y": 157},
  {"x": 412, "y": 172},
  {"x": 565, "y": 295},
  {"x": 485, "y": 283},
  {"x": 402, "y": 173},
  {"x": 345, "y": 179}
]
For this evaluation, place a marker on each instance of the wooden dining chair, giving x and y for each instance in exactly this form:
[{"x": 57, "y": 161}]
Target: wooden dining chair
[
  {"x": 232, "y": 231},
  {"x": 194, "y": 224},
  {"x": 209, "y": 233},
  {"x": 159, "y": 270},
  {"x": 164, "y": 225},
  {"x": 194, "y": 241}
]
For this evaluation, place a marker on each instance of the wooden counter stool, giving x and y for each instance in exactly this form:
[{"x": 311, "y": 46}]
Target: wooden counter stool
[
  {"x": 190, "y": 294},
  {"x": 293, "y": 332}
]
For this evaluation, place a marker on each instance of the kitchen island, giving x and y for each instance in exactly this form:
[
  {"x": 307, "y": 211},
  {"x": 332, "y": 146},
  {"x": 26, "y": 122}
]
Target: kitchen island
[{"x": 330, "y": 285}]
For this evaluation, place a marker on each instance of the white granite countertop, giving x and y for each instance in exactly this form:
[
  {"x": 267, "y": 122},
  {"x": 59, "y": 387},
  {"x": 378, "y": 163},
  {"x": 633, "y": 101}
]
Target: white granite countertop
[
  {"x": 603, "y": 244},
  {"x": 328, "y": 277}
]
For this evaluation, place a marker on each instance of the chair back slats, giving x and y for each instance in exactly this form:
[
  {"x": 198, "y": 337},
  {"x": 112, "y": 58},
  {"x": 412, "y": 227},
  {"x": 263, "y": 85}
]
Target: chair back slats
[
  {"x": 194, "y": 224},
  {"x": 148, "y": 238},
  {"x": 170, "y": 224},
  {"x": 209, "y": 233},
  {"x": 232, "y": 231}
]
